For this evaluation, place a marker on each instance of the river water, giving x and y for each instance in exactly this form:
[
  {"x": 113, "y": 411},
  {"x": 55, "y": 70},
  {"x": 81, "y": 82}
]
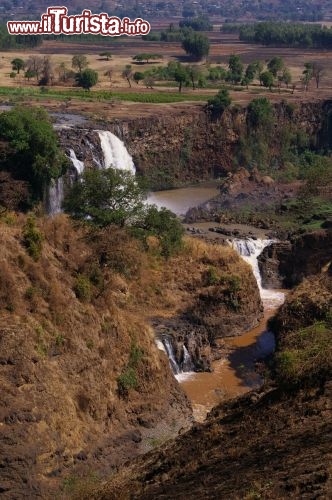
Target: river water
[
  {"x": 181, "y": 199},
  {"x": 235, "y": 373}
]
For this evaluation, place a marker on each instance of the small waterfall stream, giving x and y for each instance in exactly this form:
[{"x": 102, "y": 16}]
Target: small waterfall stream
[
  {"x": 250, "y": 249},
  {"x": 78, "y": 164},
  {"x": 55, "y": 196}
]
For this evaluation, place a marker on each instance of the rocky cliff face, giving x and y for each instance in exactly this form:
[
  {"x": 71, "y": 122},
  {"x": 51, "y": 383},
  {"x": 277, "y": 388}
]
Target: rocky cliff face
[
  {"x": 176, "y": 149},
  {"x": 286, "y": 263}
]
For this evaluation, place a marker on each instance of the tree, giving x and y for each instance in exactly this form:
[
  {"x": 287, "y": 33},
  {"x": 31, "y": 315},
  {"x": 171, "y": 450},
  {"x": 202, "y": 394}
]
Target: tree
[
  {"x": 181, "y": 75},
  {"x": 267, "y": 79},
  {"x": 235, "y": 67},
  {"x": 34, "y": 66},
  {"x": 87, "y": 79},
  {"x": 31, "y": 151},
  {"x": 251, "y": 71},
  {"x": 107, "y": 55},
  {"x": 286, "y": 77},
  {"x": 275, "y": 65},
  {"x": 47, "y": 74},
  {"x": 138, "y": 77},
  {"x": 79, "y": 62},
  {"x": 200, "y": 23},
  {"x": 127, "y": 73},
  {"x": 196, "y": 45},
  {"x": 106, "y": 196},
  {"x": 147, "y": 57},
  {"x": 317, "y": 72},
  {"x": 260, "y": 113},
  {"x": 220, "y": 102},
  {"x": 17, "y": 64},
  {"x": 307, "y": 75},
  {"x": 109, "y": 73},
  {"x": 164, "y": 225},
  {"x": 194, "y": 75}
]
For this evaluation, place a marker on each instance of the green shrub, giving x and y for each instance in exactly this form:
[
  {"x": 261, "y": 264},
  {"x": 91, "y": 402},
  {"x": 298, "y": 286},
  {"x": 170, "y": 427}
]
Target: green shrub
[
  {"x": 305, "y": 356},
  {"x": 32, "y": 239},
  {"x": 211, "y": 277},
  {"x": 82, "y": 288},
  {"x": 128, "y": 378}
]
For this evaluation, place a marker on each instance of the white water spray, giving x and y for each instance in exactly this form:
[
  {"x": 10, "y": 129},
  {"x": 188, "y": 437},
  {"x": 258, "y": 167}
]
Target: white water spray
[
  {"x": 78, "y": 164},
  {"x": 115, "y": 152},
  {"x": 249, "y": 250},
  {"x": 55, "y": 196}
]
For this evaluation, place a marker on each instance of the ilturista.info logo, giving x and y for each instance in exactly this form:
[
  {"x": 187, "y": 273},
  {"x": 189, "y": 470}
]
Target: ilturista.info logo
[{"x": 56, "y": 21}]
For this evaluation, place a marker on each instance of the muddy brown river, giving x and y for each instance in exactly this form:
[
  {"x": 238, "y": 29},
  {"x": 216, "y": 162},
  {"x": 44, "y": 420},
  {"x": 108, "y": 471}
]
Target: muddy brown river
[{"x": 235, "y": 374}]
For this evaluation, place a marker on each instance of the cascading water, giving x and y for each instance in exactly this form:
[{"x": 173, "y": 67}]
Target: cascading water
[
  {"x": 179, "y": 369},
  {"x": 170, "y": 353},
  {"x": 115, "y": 152},
  {"x": 250, "y": 249},
  {"x": 187, "y": 365},
  {"x": 78, "y": 164},
  {"x": 55, "y": 196}
]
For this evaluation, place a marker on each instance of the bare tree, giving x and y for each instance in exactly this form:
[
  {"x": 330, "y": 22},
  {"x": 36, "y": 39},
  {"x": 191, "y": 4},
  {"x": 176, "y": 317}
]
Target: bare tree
[
  {"x": 34, "y": 66},
  {"x": 47, "y": 73},
  {"x": 79, "y": 62},
  {"x": 127, "y": 74},
  {"x": 109, "y": 73},
  {"x": 317, "y": 72}
]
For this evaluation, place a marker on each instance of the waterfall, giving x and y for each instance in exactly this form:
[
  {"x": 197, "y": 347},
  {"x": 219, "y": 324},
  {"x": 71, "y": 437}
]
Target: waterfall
[
  {"x": 78, "y": 165},
  {"x": 170, "y": 353},
  {"x": 55, "y": 196},
  {"x": 250, "y": 249},
  {"x": 187, "y": 365},
  {"x": 115, "y": 152}
]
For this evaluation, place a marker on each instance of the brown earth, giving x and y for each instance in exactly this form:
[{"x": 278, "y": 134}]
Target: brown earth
[
  {"x": 273, "y": 444},
  {"x": 75, "y": 323},
  {"x": 269, "y": 444}
]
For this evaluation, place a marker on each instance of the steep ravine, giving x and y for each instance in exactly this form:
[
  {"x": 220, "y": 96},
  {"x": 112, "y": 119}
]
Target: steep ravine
[{"x": 83, "y": 385}]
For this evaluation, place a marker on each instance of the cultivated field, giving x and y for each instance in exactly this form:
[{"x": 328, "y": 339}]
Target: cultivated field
[{"x": 123, "y": 50}]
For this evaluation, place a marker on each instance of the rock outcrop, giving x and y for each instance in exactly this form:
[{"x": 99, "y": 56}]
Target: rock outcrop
[
  {"x": 172, "y": 150},
  {"x": 284, "y": 264}
]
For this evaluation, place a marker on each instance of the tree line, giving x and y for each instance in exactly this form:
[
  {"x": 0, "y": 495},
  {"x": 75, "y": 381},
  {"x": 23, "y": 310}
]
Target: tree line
[{"x": 287, "y": 34}]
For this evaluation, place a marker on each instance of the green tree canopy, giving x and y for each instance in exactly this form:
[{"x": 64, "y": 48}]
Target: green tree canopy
[
  {"x": 220, "y": 102},
  {"x": 106, "y": 196},
  {"x": 29, "y": 148},
  {"x": 87, "y": 79},
  {"x": 260, "y": 113},
  {"x": 200, "y": 23},
  {"x": 275, "y": 65},
  {"x": 196, "y": 45},
  {"x": 17, "y": 64},
  {"x": 163, "y": 224},
  {"x": 267, "y": 79}
]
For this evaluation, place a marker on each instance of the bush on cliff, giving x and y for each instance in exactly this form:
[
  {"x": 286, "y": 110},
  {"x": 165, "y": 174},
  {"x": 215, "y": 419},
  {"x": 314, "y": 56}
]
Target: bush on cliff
[
  {"x": 115, "y": 197},
  {"x": 29, "y": 148},
  {"x": 104, "y": 197}
]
